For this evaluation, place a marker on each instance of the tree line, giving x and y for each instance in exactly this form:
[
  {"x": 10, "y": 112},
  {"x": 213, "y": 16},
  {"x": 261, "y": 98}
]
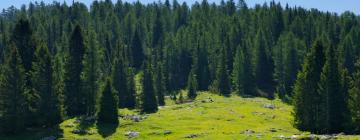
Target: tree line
[{"x": 60, "y": 61}]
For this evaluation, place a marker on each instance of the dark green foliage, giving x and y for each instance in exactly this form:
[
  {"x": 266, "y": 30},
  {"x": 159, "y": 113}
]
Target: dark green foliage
[
  {"x": 263, "y": 63},
  {"x": 137, "y": 50},
  {"x": 92, "y": 73},
  {"x": 120, "y": 82},
  {"x": 243, "y": 73},
  {"x": 160, "y": 85},
  {"x": 192, "y": 86},
  {"x": 108, "y": 112},
  {"x": 306, "y": 97},
  {"x": 354, "y": 99},
  {"x": 12, "y": 94},
  {"x": 148, "y": 97},
  {"x": 43, "y": 83},
  {"x": 74, "y": 98},
  {"x": 331, "y": 97},
  {"x": 23, "y": 39},
  {"x": 222, "y": 82}
]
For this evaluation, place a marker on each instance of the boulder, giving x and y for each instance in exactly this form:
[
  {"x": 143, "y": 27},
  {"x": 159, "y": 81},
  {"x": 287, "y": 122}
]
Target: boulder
[
  {"x": 247, "y": 132},
  {"x": 192, "y": 135},
  {"x": 167, "y": 132},
  {"x": 132, "y": 134}
]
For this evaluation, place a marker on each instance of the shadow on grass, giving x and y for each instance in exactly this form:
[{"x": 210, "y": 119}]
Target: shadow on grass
[
  {"x": 35, "y": 134},
  {"x": 106, "y": 129}
]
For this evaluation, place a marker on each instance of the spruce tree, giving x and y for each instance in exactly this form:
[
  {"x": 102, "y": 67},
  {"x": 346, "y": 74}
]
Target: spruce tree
[
  {"x": 160, "y": 85},
  {"x": 263, "y": 63},
  {"x": 148, "y": 97},
  {"x": 354, "y": 99},
  {"x": 108, "y": 112},
  {"x": 306, "y": 98},
  {"x": 92, "y": 73},
  {"x": 42, "y": 77},
  {"x": 242, "y": 73},
  {"x": 12, "y": 84},
  {"x": 332, "y": 98},
  {"x": 192, "y": 86},
  {"x": 74, "y": 98},
  {"x": 223, "y": 85},
  {"x": 131, "y": 98},
  {"x": 137, "y": 49},
  {"x": 120, "y": 84}
]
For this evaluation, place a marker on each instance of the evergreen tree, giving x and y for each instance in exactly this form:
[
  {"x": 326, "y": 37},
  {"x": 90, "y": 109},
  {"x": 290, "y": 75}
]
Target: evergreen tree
[
  {"x": 42, "y": 77},
  {"x": 148, "y": 97},
  {"x": 91, "y": 74},
  {"x": 137, "y": 49},
  {"x": 223, "y": 85},
  {"x": 242, "y": 74},
  {"x": 160, "y": 85},
  {"x": 263, "y": 63},
  {"x": 74, "y": 98},
  {"x": 108, "y": 105},
  {"x": 354, "y": 99},
  {"x": 120, "y": 81},
  {"x": 192, "y": 86},
  {"x": 12, "y": 94},
  {"x": 131, "y": 98},
  {"x": 332, "y": 98},
  {"x": 306, "y": 98}
]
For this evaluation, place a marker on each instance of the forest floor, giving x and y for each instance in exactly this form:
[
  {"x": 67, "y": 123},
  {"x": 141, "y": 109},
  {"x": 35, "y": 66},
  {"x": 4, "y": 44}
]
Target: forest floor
[{"x": 209, "y": 117}]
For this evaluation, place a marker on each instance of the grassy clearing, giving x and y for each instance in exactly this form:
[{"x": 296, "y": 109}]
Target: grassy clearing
[{"x": 224, "y": 118}]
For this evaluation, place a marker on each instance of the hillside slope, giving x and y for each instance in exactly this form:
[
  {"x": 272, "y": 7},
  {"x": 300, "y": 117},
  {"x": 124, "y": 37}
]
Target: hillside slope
[{"x": 210, "y": 117}]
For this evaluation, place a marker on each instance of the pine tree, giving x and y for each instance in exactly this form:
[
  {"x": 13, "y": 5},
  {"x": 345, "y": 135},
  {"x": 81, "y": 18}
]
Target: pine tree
[
  {"x": 192, "y": 86},
  {"x": 160, "y": 85},
  {"x": 12, "y": 93},
  {"x": 137, "y": 49},
  {"x": 148, "y": 97},
  {"x": 242, "y": 73},
  {"x": 332, "y": 98},
  {"x": 74, "y": 99},
  {"x": 108, "y": 112},
  {"x": 131, "y": 98},
  {"x": 223, "y": 85},
  {"x": 354, "y": 99},
  {"x": 306, "y": 98},
  {"x": 91, "y": 74},
  {"x": 263, "y": 63},
  {"x": 42, "y": 77},
  {"x": 120, "y": 80}
]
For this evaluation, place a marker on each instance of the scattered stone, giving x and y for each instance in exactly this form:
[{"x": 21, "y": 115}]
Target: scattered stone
[
  {"x": 135, "y": 118},
  {"x": 69, "y": 125},
  {"x": 192, "y": 136},
  {"x": 269, "y": 106},
  {"x": 259, "y": 135},
  {"x": 273, "y": 130},
  {"x": 132, "y": 134},
  {"x": 247, "y": 132},
  {"x": 281, "y": 137},
  {"x": 49, "y": 138},
  {"x": 325, "y": 137},
  {"x": 167, "y": 132},
  {"x": 78, "y": 131},
  {"x": 294, "y": 137}
]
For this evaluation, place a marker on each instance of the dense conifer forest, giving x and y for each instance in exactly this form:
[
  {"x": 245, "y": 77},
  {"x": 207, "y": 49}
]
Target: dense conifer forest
[{"x": 59, "y": 61}]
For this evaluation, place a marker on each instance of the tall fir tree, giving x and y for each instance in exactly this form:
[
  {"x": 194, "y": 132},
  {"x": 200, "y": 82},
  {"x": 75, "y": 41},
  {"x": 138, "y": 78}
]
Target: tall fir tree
[
  {"x": 120, "y": 80},
  {"x": 222, "y": 81},
  {"x": 243, "y": 73},
  {"x": 192, "y": 85},
  {"x": 74, "y": 98},
  {"x": 148, "y": 97},
  {"x": 264, "y": 68},
  {"x": 306, "y": 98},
  {"x": 108, "y": 112},
  {"x": 92, "y": 74},
  {"x": 43, "y": 83},
  {"x": 354, "y": 99},
  {"x": 12, "y": 95},
  {"x": 137, "y": 49},
  {"x": 160, "y": 85},
  {"x": 332, "y": 97}
]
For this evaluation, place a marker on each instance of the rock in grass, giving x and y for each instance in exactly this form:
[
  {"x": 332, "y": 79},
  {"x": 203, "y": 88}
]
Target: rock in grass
[
  {"x": 167, "y": 132},
  {"x": 273, "y": 130},
  {"x": 269, "y": 106},
  {"x": 192, "y": 135},
  {"x": 132, "y": 134},
  {"x": 247, "y": 132},
  {"x": 49, "y": 138},
  {"x": 78, "y": 131}
]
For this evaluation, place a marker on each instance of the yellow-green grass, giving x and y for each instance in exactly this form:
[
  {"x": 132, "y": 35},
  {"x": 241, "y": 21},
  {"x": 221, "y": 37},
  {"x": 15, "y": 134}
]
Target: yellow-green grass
[{"x": 223, "y": 119}]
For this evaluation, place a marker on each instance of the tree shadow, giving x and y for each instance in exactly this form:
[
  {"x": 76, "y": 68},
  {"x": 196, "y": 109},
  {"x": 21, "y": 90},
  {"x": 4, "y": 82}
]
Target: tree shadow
[{"x": 106, "y": 129}]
